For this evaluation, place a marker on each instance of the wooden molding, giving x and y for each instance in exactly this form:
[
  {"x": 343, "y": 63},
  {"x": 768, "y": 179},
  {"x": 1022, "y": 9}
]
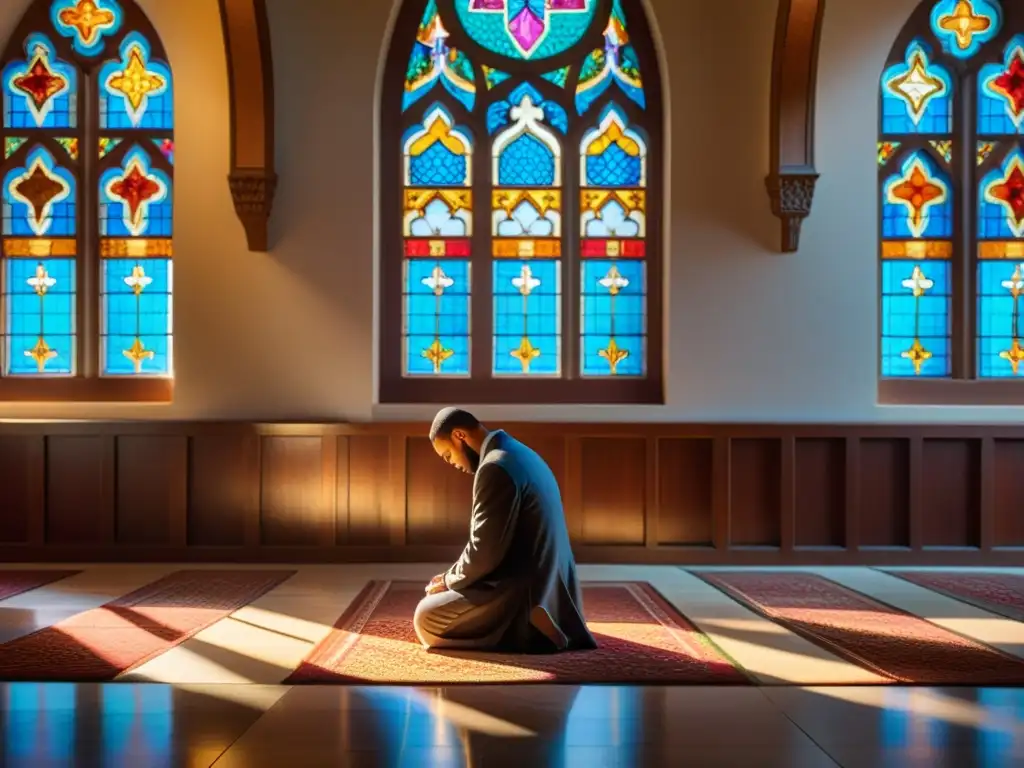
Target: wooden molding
[
  {"x": 253, "y": 178},
  {"x": 792, "y": 175}
]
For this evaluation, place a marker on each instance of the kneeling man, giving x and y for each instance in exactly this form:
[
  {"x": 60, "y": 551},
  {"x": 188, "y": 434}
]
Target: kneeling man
[{"x": 514, "y": 588}]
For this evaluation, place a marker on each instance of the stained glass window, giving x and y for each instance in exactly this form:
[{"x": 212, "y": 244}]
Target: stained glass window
[
  {"x": 69, "y": 59},
  {"x": 526, "y": 250},
  {"x": 951, "y": 180}
]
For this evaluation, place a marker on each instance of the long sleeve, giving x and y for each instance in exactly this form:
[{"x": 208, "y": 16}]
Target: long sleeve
[{"x": 495, "y": 510}]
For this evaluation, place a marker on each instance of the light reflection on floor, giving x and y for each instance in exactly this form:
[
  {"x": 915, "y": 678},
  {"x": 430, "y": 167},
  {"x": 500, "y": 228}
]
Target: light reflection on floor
[{"x": 153, "y": 726}]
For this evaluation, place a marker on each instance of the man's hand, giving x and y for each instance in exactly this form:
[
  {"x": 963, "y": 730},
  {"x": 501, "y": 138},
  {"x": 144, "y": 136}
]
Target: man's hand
[{"x": 436, "y": 585}]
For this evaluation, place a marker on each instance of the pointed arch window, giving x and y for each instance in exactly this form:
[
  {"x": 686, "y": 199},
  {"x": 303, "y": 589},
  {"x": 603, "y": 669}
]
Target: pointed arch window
[
  {"x": 521, "y": 206},
  {"x": 87, "y": 184},
  {"x": 951, "y": 182}
]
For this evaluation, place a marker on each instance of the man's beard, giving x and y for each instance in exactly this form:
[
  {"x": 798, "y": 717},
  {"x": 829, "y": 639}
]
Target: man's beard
[{"x": 472, "y": 458}]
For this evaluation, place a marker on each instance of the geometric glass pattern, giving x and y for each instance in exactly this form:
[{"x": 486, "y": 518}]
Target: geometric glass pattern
[
  {"x": 87, "y": 58},
  {"x": 927, "y": 150},
  {"x": 436, "y": 334},
  {"x": 433, "y": 60},
  {"x": 526, "y": 29},
  {"x": 616, "y": 63},
  {"x": 497, "y": 285}
]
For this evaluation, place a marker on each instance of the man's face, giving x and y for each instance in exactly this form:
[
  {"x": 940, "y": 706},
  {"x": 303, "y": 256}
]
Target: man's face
[{"x": 456, "y": 452}]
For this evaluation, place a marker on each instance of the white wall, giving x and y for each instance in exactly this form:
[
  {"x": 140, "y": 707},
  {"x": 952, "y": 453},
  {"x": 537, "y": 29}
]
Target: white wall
[{"x": 753, "y": 335}]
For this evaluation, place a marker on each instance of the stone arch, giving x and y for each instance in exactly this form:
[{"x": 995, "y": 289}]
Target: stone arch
[
  {"x": 792, "y": 175},
  {"x": 253, "y": 178}
]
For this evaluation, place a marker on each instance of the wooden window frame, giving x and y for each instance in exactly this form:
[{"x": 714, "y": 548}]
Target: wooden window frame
[
  {"x": 87, "y": 384},
  {"x": 481, "y": 387},
  {"x": 964, "y": 387}
]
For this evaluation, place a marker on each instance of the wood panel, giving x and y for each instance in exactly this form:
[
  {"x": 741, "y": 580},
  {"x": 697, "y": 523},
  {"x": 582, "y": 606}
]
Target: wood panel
[
  {"x": 612, "y": 499},
  {"x": 80, "y": 489},
  {"x": 685, "y": 491},
  {"x": 438, "y": 497},
  {"x": 293, "y": 512},
  {"x": 224, "y": 490},
  {"x": 152, "y": 489},
  {"x": 951, "y": 495},
  {"x": 368, "y": 488},
  {"x": 884, "y": 493},
  {"x": 755, "y": 493},
  {"x": 820, "y": 493},
  {"x": 1007, "y": 477},
  {"x": 22, "y": 469}
]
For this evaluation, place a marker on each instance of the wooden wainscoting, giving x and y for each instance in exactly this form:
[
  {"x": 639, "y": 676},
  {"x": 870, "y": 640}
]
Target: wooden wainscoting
[{"x": 664, "y": 493}]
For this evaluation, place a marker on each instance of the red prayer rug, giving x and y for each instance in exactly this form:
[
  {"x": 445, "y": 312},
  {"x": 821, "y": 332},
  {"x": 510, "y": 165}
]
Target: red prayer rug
[
  {"x": 99, "y": 644},
  {"x": 14, "y": 583},
  {"x": 891, "y": 642},
  {"x": 642, "y": 639},
  {"x": 1001, "y": 593}
]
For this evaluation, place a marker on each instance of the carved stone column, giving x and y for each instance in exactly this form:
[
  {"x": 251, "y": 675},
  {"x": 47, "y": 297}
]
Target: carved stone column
[
  {"x": 791, "y": 195},
  {"x": 253, "y": 191},
  {"x": 792, "y": 176}
]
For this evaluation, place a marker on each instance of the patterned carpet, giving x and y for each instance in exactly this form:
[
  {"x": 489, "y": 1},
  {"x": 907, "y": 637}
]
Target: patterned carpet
[
  {"x": 339, "y": 624},
  {"x": 642, "y": 640}
]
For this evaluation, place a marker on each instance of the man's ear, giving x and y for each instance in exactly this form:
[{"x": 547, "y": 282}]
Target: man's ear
[{"x": 460, "y": 435}]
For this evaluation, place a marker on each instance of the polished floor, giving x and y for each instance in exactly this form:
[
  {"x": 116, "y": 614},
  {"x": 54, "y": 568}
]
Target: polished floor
[{"x": 216, "y": 700}]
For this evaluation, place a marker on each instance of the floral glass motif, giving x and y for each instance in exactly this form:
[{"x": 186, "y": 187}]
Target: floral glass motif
[
  {"x": 525, "y": 116},
  {"x": 433, "y": 60},
  {"x": 128, "y": 181},
  {"x": 616, "y": 63},
  {"x": 526, "y": 29},
  {"x": 921, "y": 250}
]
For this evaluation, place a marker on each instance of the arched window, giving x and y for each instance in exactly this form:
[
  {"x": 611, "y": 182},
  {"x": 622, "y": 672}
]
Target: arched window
[
  {"x": 951, "y": 176},
  {"x": 87, "y": 175},
  {"x": 521, "y": 204}
]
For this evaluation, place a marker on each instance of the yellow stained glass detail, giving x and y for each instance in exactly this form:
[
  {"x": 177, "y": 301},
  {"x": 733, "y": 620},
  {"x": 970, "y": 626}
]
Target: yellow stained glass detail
[
  {"x": 964, "y": 23},
  {"x": 916, "y": 86},
  {"x": 543, "y": 200},
  {"x": 614, "y": 354},
  {"x": 944, "y": 148},
  {"x": 996, "y": 249},
  {"x": 39, "y": 247},
  {"x": 136, "y": 248},
  {"x": 917, "y": 355},
  {"x": 917, "y": 249},
  {"x": 1014, "y": 356},
  {"x": 138, "y": 354},
  {"x": 136, "y": 82},
  {"x": 630, "y": 199},
  {"x": 41, "y": 353},
  {"x": 439, "y": 130},
  {"x": 526, "y": 249},
  {"x": 614, "y": 134},
  {"x": 87, "y": 19},
  {"x": 886, "y": 149},
  {"x": 525, "y": 353},
  {"x": 436, "y": 353}
]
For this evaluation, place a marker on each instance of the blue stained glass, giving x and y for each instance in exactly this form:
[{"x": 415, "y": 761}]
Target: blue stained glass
[
  {"x": 28, "y": 317},
  {"x": 622, "y": 316},
  {"x": 936, "y": 219},
  {"x": 935, "y": 115},
  {"x": 998, "y": 91},
  {"x": 986, "y": 18},
  {"x": 616, "y": 63},
  {"x": 127, "y": 317},
  {"x": 58, "y": 217},
  {"x": 526, "y": 162},
  {"x": 499, "y": 114},
  {"x": 536, "y": 316},
  {"x": 559, "y": 77},
  {"x": 437, "y": 166},
  {"x": 136, "y": 198},
  {"x": 21, "y": 107},
  {"x": 137, "y": 724},
  {"x": 152, "y": 109},
  {"x": 495, "y": 77},
  {"x": 901, "y": 320},
  {"x": 107, "y": 18},
  {"x": 996, "y": 317},
  {"x": 526, "y": 29},
  {"x": 614, "y": 168},
  {"x": 995, "y": 219},
  {"x": 438, "y": 322}
]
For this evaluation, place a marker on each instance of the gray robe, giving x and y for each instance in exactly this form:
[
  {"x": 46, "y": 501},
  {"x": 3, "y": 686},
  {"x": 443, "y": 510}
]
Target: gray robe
[{"x": 515, "y": 585}]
